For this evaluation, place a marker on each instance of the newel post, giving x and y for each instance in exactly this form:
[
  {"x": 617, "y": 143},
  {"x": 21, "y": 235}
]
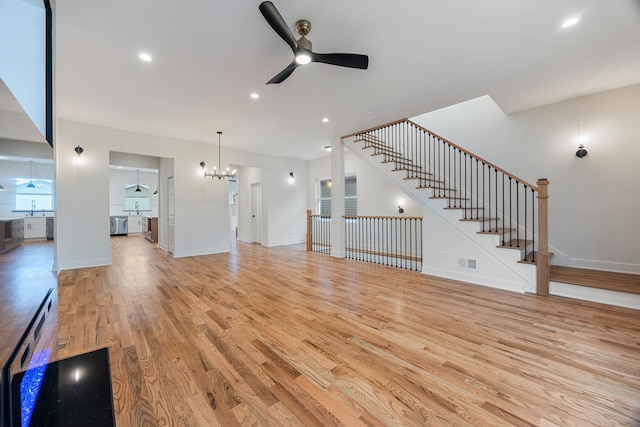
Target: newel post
[
  {"x": 309, "y": 235},
  {"x": 542, "y": 260}
]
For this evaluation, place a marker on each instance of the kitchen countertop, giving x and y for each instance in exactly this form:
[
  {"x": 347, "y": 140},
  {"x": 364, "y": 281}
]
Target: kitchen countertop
[{"x": 25, "y": 217}]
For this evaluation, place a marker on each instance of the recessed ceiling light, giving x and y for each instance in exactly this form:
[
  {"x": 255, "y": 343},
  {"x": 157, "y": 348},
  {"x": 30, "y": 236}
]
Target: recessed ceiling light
[
  {"x": 325, "y": 120},
  {"x": 569, "y": 22},
  {"x": 255, "y": 95},
  {"x": 145, "y": 57}
]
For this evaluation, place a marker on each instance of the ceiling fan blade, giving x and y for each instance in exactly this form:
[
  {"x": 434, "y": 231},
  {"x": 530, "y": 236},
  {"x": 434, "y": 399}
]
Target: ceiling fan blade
[
  {"x": 276, "y": 21},
  {"x": 351, "y": 60},
  {"x": 282, "y": 75}
]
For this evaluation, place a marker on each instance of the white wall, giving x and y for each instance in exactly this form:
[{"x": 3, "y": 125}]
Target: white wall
[
  {"x": 201, "y": 205},
  {"x": 23, "y": 53},
  {"x": 377, "y": 195},
  {"x": 284, "y": 201},
  {"x": 594, "y": 201}
]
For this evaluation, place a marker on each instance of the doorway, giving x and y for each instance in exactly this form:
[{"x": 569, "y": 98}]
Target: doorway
[{"x": 256, "y": 212}]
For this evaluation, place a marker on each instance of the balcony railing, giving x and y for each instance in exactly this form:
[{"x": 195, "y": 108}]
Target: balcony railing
[{"x": 388, "y": 240}]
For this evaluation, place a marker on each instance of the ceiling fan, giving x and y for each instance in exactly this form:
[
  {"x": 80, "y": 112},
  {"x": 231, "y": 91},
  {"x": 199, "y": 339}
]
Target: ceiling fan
[{"x": 302, "y": 48}]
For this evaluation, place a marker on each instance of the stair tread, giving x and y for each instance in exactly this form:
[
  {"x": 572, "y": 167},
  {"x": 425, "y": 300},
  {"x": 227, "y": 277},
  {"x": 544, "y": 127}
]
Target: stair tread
[
  {"x": 448, "y": 198},
  {"x": 424, "y": 179},
  {"x": 528, "y": 259},
  {"x": 397, "y": 156},
  {"x": 432, "y": 187},
  {"x": 380, "y": 147},
  {"x": 622, "y": 282},
  {"x": 498, "y": 231},
  {"x": 483, "y": 219},
  {"x": 515, "y": 244},
  {"x": 408, "y": 162},
  {"x": 368, "y": 139},
  {"x": 468, "y": 208},
  {"x": 416, "y": 169}
]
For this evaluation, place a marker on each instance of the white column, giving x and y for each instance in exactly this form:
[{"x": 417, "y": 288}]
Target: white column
[{"x": 337, "y": 198}]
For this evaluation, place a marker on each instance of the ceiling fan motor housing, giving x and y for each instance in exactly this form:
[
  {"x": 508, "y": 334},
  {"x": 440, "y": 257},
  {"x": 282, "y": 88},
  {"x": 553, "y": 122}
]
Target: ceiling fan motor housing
[{"x": 303, "y": 27}]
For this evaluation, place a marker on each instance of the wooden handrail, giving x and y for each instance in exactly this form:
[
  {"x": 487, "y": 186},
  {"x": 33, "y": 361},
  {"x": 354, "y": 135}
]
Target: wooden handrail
[
  {"x": 376, "y": 128},
  {"x": 380, "y": 217},
  {"x": 435, "y": 135}
]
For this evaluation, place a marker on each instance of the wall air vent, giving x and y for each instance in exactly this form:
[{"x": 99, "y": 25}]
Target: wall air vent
[{"x": 469, "y": 264}]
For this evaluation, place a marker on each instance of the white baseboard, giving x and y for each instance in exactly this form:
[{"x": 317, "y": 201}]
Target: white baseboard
[
  {"x": 71, "y": 265},
  {"x": 491, "y": 282},
  {"x": 618, "y": 267},
  {"x": 199, "y": 252},
  {"x": 285, "y": 243},
  {"x": 602, "y": 296}
]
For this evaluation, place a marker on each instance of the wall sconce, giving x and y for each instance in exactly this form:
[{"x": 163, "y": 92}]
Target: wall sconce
[
  {"x": 400, "y": 209},
  {"x": 1, "y": 187},
  {"x": 291, "y": 175},
  {"x": 581, "y": 151},
  {"x": 79, "y": 150},
  {"x": 291, "y": 179}
]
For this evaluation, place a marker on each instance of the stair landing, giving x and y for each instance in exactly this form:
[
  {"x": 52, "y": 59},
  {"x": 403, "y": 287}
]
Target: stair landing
[{"x": 621, "y": 282}]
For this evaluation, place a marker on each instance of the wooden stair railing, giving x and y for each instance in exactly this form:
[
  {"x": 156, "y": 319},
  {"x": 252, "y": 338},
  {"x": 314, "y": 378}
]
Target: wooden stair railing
[{"x": 502, "y": 203}]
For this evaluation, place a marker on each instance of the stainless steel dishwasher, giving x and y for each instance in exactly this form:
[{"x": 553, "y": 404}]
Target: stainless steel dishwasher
[
  {"x": 49, "y": 228},
  {"x": 119, "y": 226}
]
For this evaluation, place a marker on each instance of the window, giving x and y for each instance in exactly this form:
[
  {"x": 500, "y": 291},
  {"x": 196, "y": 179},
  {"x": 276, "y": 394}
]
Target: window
[
  {"x": 350, "y": 196},
  {"x": 136, "y": 201},
  {"x": 36, "y": 198}
]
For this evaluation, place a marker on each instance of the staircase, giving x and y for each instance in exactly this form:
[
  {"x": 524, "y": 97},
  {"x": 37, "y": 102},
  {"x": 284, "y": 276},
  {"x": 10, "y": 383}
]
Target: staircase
[{"x": 467, "y": 190}]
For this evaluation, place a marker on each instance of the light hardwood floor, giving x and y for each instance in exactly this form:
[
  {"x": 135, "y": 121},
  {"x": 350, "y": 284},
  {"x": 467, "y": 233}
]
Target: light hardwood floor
[{"x": 281, "y": 337}]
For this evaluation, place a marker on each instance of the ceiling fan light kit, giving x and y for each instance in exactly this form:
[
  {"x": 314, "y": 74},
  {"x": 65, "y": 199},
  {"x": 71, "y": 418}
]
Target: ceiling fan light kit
[{"x": 303, "y": 48}]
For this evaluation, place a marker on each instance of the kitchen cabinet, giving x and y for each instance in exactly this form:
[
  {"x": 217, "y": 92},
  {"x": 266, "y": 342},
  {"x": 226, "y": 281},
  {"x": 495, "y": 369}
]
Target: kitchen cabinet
[
  {"x": 150, "y": 228},
  {"x": 35, "y": 228},
  {"x": 11, "y": 234},
  {"x": 135, "y": 224}
]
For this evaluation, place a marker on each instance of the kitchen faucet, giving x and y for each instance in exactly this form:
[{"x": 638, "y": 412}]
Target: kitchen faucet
[
  {"x": 33, "y": 206},
  {"x": 137, "y": 210}
]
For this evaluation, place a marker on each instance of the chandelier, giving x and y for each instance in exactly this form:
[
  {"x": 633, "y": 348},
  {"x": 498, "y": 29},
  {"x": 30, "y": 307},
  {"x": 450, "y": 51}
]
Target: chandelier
[{"x": 218, "y": 173}]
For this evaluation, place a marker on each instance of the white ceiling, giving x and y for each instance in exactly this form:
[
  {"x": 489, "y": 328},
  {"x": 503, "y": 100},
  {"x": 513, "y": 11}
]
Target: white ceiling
[{"x": 208, "y": 56}]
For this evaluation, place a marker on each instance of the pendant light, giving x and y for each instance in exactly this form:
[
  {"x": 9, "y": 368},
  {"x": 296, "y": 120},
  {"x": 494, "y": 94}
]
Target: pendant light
[
  {"x": 219, "y": 173},
  {"x": 138, "y": 190},
  {"x": 30, "y": 184}
]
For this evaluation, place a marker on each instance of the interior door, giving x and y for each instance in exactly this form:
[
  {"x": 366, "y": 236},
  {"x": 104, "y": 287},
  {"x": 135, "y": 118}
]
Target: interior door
[
  {"x": 256, "y": 212},
  {"x": 171, "y": 216}
]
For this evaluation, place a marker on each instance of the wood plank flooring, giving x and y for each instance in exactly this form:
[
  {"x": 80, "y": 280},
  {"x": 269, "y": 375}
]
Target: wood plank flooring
[
  {"x": 284, "y": 337},
  {"x": 25, "y": 278}
]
